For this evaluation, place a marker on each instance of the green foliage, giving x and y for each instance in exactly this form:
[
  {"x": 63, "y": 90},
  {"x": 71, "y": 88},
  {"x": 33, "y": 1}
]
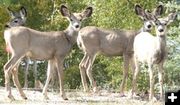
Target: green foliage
[
  {"x": 172, "y": 65},
  {"x": 72, "y": 77},
  {"x": 113, "y": 14}
]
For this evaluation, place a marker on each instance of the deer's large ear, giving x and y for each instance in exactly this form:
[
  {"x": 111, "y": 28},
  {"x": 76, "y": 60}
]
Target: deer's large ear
[
  {"x": 64, "y": 11},
  {"x": 87, "y": 12},
  {"x": 171, "y": 17},
  {"x": 138, "y": 10},
  {"x": 158, "y": 11},
  {"x": 23, "y": 12},
  {"x": 11, "y": 13}
]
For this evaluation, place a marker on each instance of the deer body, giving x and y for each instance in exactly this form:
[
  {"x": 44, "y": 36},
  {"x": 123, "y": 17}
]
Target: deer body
[
  {"x": 106, "y": 42},
  {"x": 93, "y": 40},
  {"x": 152, "y": 50},
  {"x": 38, "y": 45}
]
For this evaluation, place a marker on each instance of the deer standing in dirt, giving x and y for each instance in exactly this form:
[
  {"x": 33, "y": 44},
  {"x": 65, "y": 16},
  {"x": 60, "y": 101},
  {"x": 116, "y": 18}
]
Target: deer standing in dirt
[
  {"x": 152, "y": 50},
  {"x": 19, "y": 19},
  {"x": 93, "y": 40},
  {"x": 52, "y": 46}
]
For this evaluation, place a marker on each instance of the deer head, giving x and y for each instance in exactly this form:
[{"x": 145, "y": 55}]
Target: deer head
[
  {"x": 162, "y": 23},
  {"x": 17, "y": 18},
  {"x": 146, "y": 16},
  {"x": 75, "y": 19}
]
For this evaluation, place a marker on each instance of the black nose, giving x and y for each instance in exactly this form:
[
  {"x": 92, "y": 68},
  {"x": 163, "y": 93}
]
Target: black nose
[
  {"x": 77, "y": 26},
  {"x": 149, "y": 26},
  {"x": 161, "y": 30},
  {"x": 6, "y": 26}
]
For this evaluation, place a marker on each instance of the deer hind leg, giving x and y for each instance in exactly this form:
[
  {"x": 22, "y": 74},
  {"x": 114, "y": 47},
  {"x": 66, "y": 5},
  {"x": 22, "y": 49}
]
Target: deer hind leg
[
  {"x": 16, "y": 81},
  {"x": 49, "y": 76},
  {"x": 82, "y": 67},
  {"x": 36, "y": 85},
  {"x": 59, "y": 65},
  {"x": 26, "y": 72},
  {"x": 8, "y": 67},
  {"x": 125, "y": 73},
  {"x": 160, "y": 76},
  {"x": 90, "y": 62},
  {"x": 133, "y": 66},
  {"x": 135, "y": 75}
]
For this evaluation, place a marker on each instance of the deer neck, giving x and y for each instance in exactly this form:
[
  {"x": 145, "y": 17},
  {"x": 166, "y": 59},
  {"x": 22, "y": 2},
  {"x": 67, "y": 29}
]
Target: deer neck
[
  {"x": 161, "y": 42},
  {"x": 160, "y": 48},
  {"x": 71, "y": 35}
]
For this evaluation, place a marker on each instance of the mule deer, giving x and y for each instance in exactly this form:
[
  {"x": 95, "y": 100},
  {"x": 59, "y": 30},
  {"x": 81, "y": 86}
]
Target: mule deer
[
  {"x": 152, "y": 50},
  {"x": 93, "y": 39},
  {"x": 19, "y": 19},
  {"x": 51, "y": 46}
]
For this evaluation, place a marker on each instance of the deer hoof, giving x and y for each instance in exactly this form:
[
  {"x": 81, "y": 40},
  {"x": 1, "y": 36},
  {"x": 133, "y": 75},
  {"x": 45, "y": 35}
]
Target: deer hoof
[
  {"x": 25, "y": 98},
  {"x": 135, "y": 96},
  {"x": 64, "y": 97},
  {"x": 46, "y": 98},
  {"x": 122, "y": 95},
  {"x": 11, "y": 98}
]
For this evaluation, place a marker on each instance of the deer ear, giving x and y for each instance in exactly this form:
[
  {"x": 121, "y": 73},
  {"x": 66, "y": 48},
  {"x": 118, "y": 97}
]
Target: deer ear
[
  {"x": 11, "y": 13},
  {"x": 158, "y": 11},
  {"x": 139, "y": 11},
  {"x": 171, "y": 17},
  {"x": 87, "y": 12},
  {"x": 64, "y": 11},
  {"x": 23, "y": 12}
]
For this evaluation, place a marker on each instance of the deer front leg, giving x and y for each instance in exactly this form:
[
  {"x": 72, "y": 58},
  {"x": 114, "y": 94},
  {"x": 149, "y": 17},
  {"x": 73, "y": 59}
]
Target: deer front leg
[
  {"x": 89, "y": 71},
  {"x": 49, "y": 76},
  {"x": 61, "y": 78},
  {"x": 7, "y": 73},
  {"x": 135, "y": 75},
  {"x": 35, "y": 75},
  {"x": 151, "y": 76},
  {"x": 83, "y": 73},
  {"x": 125, "y": 73},
  {"x": 160, "y": 76},
  {"x": 16, "y": 82}
]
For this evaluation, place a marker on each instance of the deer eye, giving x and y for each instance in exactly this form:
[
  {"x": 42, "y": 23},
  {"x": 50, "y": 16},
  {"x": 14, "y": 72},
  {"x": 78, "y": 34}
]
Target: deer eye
[
  {"x": 15, "y": 21},
  {"x": 71, "y": 20},
  {"x": 156, "y": 23},
  {"x": 165, "y": 24},
  {"x": 80, "y": 20}
]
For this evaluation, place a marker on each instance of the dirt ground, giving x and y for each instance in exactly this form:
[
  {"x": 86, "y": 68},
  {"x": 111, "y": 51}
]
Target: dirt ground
[{"x": 75, "y": 98}]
